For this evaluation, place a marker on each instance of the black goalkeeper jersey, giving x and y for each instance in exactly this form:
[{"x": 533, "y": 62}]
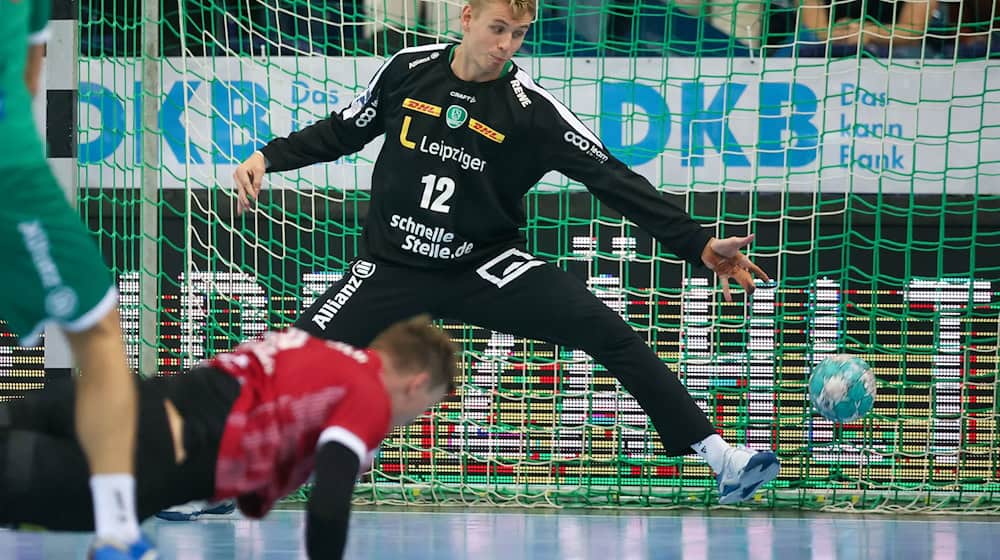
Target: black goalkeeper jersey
[{"x": 458, "y": 158}]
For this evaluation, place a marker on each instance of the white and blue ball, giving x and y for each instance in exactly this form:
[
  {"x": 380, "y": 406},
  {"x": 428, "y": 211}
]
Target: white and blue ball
[{"x": 842, "y": 388}]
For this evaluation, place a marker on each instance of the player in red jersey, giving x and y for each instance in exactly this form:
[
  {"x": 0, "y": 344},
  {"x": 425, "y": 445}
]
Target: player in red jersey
[{"x": 251, "y": 424}]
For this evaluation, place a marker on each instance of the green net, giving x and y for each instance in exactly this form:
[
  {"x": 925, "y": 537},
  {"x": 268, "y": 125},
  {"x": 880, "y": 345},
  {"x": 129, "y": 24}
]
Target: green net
[{"x": 868, "y": 178}]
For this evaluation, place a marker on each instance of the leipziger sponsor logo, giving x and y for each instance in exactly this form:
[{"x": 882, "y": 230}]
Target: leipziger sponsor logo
[
  {"x": 429, "y": 241},
  {"x": 440, "y": 150},
  {"x": 450, "y": 153}
]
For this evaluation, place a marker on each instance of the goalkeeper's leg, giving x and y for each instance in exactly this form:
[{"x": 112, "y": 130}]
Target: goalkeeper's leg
[{"x": 543, "y": 302}]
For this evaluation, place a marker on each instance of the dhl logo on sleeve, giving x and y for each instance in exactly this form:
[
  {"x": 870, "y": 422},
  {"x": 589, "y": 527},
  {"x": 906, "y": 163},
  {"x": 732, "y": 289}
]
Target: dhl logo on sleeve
[
  {"x": 421, "y": 107},
  {"x": 486, "y": 131}
]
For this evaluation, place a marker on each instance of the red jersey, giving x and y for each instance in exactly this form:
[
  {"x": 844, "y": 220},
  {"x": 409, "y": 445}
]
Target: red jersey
[{"x": 297, "y": 393}]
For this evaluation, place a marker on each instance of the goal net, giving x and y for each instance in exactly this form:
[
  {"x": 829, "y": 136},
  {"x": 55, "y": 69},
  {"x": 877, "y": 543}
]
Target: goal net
[{"x": 870, "y": 179}]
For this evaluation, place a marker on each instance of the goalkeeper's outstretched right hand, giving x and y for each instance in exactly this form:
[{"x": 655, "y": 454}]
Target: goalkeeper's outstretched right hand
[{"x": 249, "y": 176}]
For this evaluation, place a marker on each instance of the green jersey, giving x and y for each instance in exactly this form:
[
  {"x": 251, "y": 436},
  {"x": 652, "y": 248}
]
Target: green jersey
[{"x": 22, "y": 23}]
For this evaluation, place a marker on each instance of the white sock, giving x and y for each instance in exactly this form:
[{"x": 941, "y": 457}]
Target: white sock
[
  {"x": 114, "y": 507},
  {"x": 713, "y": 450}
]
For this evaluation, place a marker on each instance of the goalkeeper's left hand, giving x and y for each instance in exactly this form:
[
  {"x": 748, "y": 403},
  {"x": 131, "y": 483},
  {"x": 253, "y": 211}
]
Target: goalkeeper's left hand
[
  {"x": 249, "y": 177},
  {"x": 726, "y": 258}
]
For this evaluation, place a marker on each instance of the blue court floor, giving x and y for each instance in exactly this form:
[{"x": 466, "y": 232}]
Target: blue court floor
[{"x": 515, "y": 535}]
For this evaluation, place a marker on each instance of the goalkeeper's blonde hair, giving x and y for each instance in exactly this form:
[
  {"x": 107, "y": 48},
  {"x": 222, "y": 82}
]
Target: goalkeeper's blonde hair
[{"x": 520, "y": 8}]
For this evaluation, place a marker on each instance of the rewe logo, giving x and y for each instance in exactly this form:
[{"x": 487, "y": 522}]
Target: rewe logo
[
  {"x": 456, "y": 116},
  {"x": 522, "y": 98}
]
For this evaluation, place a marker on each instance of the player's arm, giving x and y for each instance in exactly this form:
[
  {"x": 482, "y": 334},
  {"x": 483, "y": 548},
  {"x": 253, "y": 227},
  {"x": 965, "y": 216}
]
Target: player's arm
[
  {"x": 575, "y": 151},
  {"x": 329, "y": 508},
  {"x": 354, "y": 430},
  {"x": 578, "y": 153},
  {"x": 344, "y": 132},
  {"x": 33, "y": 69},
  {"x": 38, "y": 29}
]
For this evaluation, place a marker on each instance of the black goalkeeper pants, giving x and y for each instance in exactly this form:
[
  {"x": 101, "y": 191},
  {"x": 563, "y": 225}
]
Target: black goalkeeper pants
[
  {"x": 44, "y": 475},
  {"x": 513, "y": 293}
]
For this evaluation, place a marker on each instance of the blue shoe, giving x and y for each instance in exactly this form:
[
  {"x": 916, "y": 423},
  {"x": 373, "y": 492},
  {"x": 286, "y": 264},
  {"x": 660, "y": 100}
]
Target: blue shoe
[
  {"x": 743, "y": 472},
  {"x": 194, "y": 510},
  {"x": 224, "y": 507},
  {"x": 141, "y": 549}
]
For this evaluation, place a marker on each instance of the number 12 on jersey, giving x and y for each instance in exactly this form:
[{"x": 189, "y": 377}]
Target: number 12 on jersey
[{"x": 437, "y": 192}]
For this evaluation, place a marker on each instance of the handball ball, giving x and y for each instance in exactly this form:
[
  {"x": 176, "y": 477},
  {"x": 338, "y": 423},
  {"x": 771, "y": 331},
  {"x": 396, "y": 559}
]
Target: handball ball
[{"x": 842, "y": 388}]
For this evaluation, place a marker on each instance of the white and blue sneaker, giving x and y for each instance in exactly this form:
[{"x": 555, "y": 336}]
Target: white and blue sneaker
[
  {"x": 141, "y": 549},
  {"x": 743, "y": 472},
  {"x": 193, "y": 510}
]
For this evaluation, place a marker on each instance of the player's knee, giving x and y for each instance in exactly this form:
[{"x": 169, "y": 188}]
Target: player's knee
[
  {"x": 610, "y": 339},
  {"x": 107, "y": 326},
  {"x": 622, "y": 351},
  {"x": 100, "y": 346}
]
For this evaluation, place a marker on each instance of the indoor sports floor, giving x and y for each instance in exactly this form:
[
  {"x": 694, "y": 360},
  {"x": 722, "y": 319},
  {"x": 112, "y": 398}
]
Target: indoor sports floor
[{"x": 514, "y": 535}]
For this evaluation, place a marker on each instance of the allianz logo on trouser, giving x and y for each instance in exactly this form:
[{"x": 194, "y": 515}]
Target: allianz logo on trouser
[
  {"x": 363, "y": 269},
  {"x": 359, "y": 272}
]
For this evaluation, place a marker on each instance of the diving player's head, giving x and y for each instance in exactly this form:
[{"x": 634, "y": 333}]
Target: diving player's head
[
  {"x": 418, "y": 366},
  {"x": 493, "y": 31}
]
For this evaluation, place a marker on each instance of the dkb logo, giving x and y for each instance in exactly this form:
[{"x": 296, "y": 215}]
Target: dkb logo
[{"x": 785, "y": 134}]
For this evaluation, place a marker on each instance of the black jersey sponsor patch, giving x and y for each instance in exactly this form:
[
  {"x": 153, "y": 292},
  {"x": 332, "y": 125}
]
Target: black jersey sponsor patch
[
  {"x": 505, "y": 267},
  {"x": 485, "y": 130},
  {"x": 422, "y": 107}
]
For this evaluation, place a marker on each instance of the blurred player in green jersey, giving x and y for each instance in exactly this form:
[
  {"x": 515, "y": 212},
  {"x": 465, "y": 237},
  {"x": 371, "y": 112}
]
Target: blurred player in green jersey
[{"x": 52, "y": 272}]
